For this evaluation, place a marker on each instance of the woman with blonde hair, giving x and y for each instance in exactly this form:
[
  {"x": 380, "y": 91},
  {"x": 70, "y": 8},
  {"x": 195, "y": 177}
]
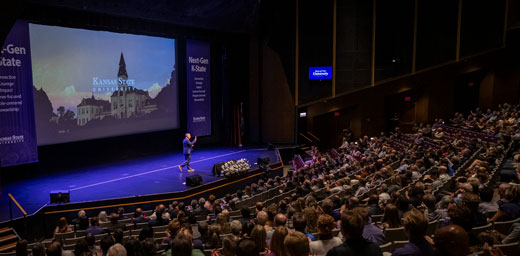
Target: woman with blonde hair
[{"x": 222, "y": 221}]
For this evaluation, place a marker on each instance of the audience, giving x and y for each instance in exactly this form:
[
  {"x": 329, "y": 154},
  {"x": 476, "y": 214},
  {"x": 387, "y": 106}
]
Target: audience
[
  {"x": 439, "y": 173},
  {"x": 327, "y": 240},
  {"x": 352, "y": 225}
]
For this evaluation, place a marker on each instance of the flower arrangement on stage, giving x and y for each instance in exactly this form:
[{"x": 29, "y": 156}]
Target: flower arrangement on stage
[{"x": 235, "y": 168}]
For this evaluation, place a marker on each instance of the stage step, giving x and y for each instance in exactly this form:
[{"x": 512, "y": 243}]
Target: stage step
[
  {"x": 8, "y": 247},
  {"x": 8, "y": 239}
]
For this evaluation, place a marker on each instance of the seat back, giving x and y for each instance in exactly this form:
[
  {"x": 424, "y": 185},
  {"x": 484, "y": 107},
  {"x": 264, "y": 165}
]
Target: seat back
[
  {"x": 395, "y": 234},
  {"x": 504, "y": 226},
  {"x": 510, "y": 249},
  {"x": 64, "y": 235},
  {"x": 478, "y": 230}
]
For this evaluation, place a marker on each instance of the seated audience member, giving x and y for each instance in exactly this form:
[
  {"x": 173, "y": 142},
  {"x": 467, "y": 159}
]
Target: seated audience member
[
  {"x": 276, "y": 246},
  {"x": 94, "y": 228},
  {"x": 222, "y": 221},
  {"x": 373, "y": 204},
  {"x": 327, "y": 207},
  {"x": 214, "y": 237},
  {"x": 352, "y": 225},
  {"x": 39, "y": 249},
  {"x": 105, "y": 244},
  {"x": 118, "y": 236},
  {"x": 203, "y": 228},
  {"x": 247, "y": 247},
  {"x": 279, "y": 221},
  {"x": 296, "y": 244},
  {"x": 149, "y": 248},
  {"x": 159, "y": 217},
  {"x": 62, "y": 227},
  {"x": 259, "y": 236},
  {"x": 428, "y": 203},
  {"x": 54, "y": 249},
  {"x": 311, "y": 216},
  {"x": 415, "y": 225},
  {"x": 236, "y": 229},
  {"x": 138, "y": 216},
  {"x": 91, "y": 242},
  {"x": 81, "y": 248},
  {"x": 510, "y": 209},
  {"x": 81, "y": 223},
  {"x": 116, "y": 250},
  {"x": 486, "y": 206},
  {"x": 299, "y": 224},
  {"x": 472, "y": 202},
  {"x": 114, "y": 223},
  {"x": 103, "y": 217},
  {"x": 146, "y": 232},
  {"x": 370, "y": 232},
  {"x": 21, "y": 248},
  {"x": 229, "y": 246},
  {"x": 173, "y": 227},
  {"x": 133, "y": 247},
  {"x": 451, "y": 240},
  {"x": 326, "y": 225},
  {"x": 391, "y": 217}
]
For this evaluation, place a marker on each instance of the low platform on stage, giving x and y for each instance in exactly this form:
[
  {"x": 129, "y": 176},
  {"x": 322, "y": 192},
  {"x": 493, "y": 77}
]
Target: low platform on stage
[{"x": 139, "y": 177}]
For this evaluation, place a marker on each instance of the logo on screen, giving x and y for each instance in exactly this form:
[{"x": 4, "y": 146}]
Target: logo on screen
[{"x": 320, "y": 73}]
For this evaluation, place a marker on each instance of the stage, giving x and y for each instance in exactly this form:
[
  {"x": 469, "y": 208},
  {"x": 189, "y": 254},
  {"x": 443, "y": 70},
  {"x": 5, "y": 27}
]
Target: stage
[{"x": 132, "y": 178}]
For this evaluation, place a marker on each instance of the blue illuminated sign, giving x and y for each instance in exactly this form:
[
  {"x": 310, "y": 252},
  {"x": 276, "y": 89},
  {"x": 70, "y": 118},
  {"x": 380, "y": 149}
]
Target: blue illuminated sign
[{"x": 320, "y": 73}]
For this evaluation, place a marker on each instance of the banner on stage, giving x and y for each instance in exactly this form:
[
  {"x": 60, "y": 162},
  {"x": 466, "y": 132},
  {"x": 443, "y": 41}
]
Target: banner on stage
[
  {"x": 198, "y": 87},
  {"x": 17, "y": 129}
]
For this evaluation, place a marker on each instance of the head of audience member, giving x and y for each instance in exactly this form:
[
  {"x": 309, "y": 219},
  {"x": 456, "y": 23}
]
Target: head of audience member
[
  {"x": 149, "y": 247},
  {"x": 236, "y": 227},
  {"x": 38, "y": 249},
  {"x": 429, "y": 201},
  {"x": 133, "y": 247},
  {"x": 116, "y": 250},
  {"x": 138, "y": 212},
  {"x": 325, "y": 226},
  {"x": 114, "y": 218},
  {"x": 214, "y": 237},
  {"x": 299, "y": 222},
  {"x": 63, "y": 226},
  {"x": 280, "y": 220},
  {"x": 296, "y": 244},
  {"x": 54, "y": 249},
  {"x": 229, "y": 246},
  {"x": 461, "y": 215},
  {"x": 247, "y": 247},
  {"x": 261, "y": 218},
  {"x": 81, "y": 248},
  {"x": 513, "y": 194},
  {"x": 391, "y": 216},
  {"x": 181, "y": 245},
  {"x": 277, "y": 241},
  {"x": 102, "y": 216},
  {"x": 486, "y": 194},
  {"x": 91, "y": 240},
  {"x": 415, "y": 224},
  {"x": 502, "y": 188},
  {"x": 118, "y": 235},
  {"x": 352, "y": 224},
  {"x": 146, "y": 232},
  {"x": 106, "y": 243},
  {"x": 363, "y": 212},
  {"x": 21, "y": 248},
  {"x": 311, "y": 216},
  {"x": 259, "y": 235},
  {"x": 203, "y": 227},
  {"x": 173, "y": 227},
  {"x": 451, "y": 240}
]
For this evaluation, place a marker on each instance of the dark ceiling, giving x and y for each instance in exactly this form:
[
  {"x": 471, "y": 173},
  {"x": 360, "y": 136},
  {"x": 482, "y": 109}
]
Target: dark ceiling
[{"x": 223, "y": 15}]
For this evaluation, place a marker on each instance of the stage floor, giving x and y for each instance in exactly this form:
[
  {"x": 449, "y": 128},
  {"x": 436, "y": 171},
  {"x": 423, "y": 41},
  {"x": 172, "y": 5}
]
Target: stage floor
[{"x": 143, "y": 176}]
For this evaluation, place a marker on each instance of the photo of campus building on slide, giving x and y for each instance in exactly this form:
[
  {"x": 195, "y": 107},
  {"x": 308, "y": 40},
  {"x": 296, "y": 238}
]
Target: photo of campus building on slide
[{"x": 101, "y": 84}]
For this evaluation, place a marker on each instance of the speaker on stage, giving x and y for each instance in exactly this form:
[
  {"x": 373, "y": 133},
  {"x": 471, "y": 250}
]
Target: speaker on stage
[
  {"x": 193, "y": 180},
  {"x": 60, "y": 196}
]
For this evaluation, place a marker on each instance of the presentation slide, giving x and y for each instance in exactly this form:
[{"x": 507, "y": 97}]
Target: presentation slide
[{"x": 94, "y": 84}]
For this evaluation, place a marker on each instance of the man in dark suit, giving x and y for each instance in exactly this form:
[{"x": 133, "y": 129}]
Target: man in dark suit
[{"x": 187, "y": 147}]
